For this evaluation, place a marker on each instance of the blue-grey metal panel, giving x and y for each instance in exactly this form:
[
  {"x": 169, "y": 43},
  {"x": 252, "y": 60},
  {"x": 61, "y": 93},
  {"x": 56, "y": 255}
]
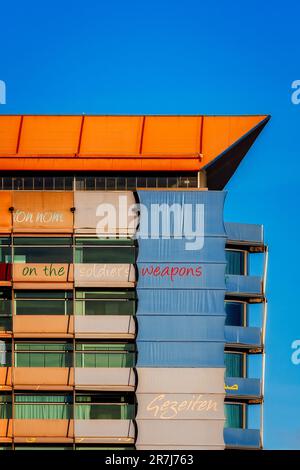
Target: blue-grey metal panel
[
  {"x": 242, "y": 387},
  {"x": 180, "y": 302},
  {"x": 180, "y": 328},
  {"x": 252, "y": 233},
  {"x": 213, "y": 202},
  {"x": 243, "y": 335},
  {"x": 180, "y": 354},
  {"x": 246, "y": 438},
  {"x": 181, "y": 276},
  {"x": 163, "y": 250},
  {"x": 243, "y": 284}
]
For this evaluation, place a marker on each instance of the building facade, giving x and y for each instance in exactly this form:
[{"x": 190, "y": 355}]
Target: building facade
[{"x": 131, "y": 315}]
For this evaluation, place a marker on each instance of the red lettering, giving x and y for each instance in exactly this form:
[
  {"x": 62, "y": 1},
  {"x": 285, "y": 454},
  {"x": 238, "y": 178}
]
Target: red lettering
[
  {"x": 174, "y": 272},
  {"x": 199, "y": 271}
]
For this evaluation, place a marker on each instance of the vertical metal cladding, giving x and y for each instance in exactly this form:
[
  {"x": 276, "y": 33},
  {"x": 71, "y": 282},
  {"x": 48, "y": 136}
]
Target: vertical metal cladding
[{"x": 181, "y": 289}]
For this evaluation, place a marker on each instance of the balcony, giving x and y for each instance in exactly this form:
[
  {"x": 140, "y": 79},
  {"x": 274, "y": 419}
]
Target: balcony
[
  {"x": 6, "y": 430},
  {"x": 189, "y": 432},
  {"x": 5, "y": 378},
  {"x": 43, "y": 326},
  {"x": 104, "y": 275},
  {"x": 106, "y": 431},
  {"x": 43, "y": 378},
  {"x": 244, "y": 388},
  {"x": 43, "y": 276},
  {"x": 250, "y": 236},
  {"x": 105, "y": 378},
  {"x": 244, "y": 286},
  {"x": 5, "y": 274},
  {"x": 243, "y": 337},
  {"x": 242, "y": 438},
  {"x": 105, "y": 326},
  {"x": 43, "y": 430}
]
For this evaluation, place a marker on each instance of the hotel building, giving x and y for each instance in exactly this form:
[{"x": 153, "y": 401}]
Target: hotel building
[{"x": 110, "y": 337}]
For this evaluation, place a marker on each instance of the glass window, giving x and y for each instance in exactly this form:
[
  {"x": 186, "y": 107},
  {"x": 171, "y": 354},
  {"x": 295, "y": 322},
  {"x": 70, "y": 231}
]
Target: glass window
[
  {"x": 105, "y": 302},
  {"x": 5, "y": 353},
  {"x": 105, "y": 406},
  {"x": 234, "y": 414},
  {"x": 95, "y": 250},
  {"x": 43, "y": 355},
  {"x": 42, "y": 250},
  {"x": 105, "y": 354},
  {"x": 44, "y": 302},
  {"x": 235, "y": 262},
  {"x": 5, "y": 406},
  {"x": 234, "y": 363},
  {"x": 5, "y": 250},
  {"x": 235, "y": 313},
  {"x": 41, "y": 406}
]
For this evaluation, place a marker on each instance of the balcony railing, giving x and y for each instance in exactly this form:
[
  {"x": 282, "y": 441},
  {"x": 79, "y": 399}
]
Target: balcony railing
[
  {"x": 243, "y": 336},
  {"x": 243, "y": 387},
  {"x": 242, "y": 438},
  {"x": 108, "y": 431},
  {"x": 245, "y": 286},
  {"x": 246, "y": 234}
]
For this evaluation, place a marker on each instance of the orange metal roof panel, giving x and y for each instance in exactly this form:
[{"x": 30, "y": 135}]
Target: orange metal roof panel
[
  {"x": 111, "y": 135},
  {"x": 118, "y": 143},
  {"x": 9, "y": 133},
  {"x": 50, "y": 135},
  {"x": 220, "y": 132},
  {"x": 171, "y": 135}
]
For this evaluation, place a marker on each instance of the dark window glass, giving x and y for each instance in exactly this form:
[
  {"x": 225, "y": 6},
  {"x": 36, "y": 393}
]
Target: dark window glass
[
  {"x": 43, "y": 355},
  {"x": 111, "y": 183},
  {"x": 151, "y": 182},
  {"x": 68, "y": 183},
  {"x": 43, "y": 303},
  {"x": 105, "y": 355},
  {"x": 121, "y": 183},
  {"x": 7, "y": 183},
  {"x": 162, "y": 182},
  {"x": 28, "y": 183},
  {"x": 38, "y": 183},
  {"x": 235, "y": 262},
  {"x": 234, "y": 363},
  {"x": 141, "y": 182},
  {"x": 59, "y": 183},
  {"x": 105, "y": 303},
  {"x": 172, "y": 182},
  {"x": 105, "y": 406},
  {"x": 49, "y": 183},
  {"x": 18, "y": 184},
  {"x": 90, "y": 183},
  {"x": 233, "y": 415},
  {"x": 131, "y": 183},
  {"x": 234, "y": 313},
  {"x": 100, "y": 183},
  {"x": 43, "y": 255}
]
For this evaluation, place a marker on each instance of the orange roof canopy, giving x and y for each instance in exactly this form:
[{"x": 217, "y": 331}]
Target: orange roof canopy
[{"x": 118, "y": 143}]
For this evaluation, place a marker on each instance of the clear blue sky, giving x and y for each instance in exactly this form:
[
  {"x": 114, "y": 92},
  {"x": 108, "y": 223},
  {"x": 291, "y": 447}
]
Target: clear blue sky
[{"x": 183, "y": 57}]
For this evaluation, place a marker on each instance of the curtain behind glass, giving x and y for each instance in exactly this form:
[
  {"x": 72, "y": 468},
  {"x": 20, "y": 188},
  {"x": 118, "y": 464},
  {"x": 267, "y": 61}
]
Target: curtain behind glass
[
  {"x": 235, "y": 262},
  {"x": 234, "y": 364},
  {"x": 233, "y": 416}
]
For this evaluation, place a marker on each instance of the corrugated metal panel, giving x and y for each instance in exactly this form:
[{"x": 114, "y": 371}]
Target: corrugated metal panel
[
  {"x": 89, "y": 216},
  {"x": 244, "y": 232},
  {"x": 187, "y": 432},
  {"x": 180, "y": 301},
  {"x": 180, "y": 380},
  {"x": 180, "y": 406},
  {"x": 180, "y": 354},
  {"x": 42, "y": 211},
  {"x": 180, "y": 328},
  {"x": 243, "y": 335},
  {"x": 162, "y": 250},
  {"x": 181, "y": 276},
  {"x": 243, "y": 284}
]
